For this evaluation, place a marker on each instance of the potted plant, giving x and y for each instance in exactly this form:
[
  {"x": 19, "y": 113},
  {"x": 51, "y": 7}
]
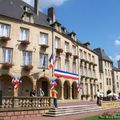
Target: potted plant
[
  {"x": 7, "y": 65},
  {"x": 4, "y": 39},
  {"x": 28, "y": 67},
  {"x": 59, "y": 50},
  {"x": 25, "y": 42}
]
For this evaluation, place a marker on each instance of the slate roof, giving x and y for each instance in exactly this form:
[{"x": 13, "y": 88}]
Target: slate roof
[
  {"x": 116, "y": 69},
  {"x": 102, "y": 55},
  {"x": 15, "y": 9}
]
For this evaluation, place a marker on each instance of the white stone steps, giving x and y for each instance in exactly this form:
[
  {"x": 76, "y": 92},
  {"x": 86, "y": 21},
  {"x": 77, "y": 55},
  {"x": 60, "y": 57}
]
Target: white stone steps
[{"x": 68, "y": 110}]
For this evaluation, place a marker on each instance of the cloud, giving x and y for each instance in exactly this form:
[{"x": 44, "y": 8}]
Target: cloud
[
  {"x": 117, "y": 57},
  {"x": 49, "y": 3},
  {"x": 117, "y": 42},
  {"x": 46, "y": 3}
]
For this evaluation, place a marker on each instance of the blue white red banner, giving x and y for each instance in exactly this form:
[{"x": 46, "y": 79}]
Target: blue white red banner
[
  {"x": 51, "y": 61},
  {"x": 60, "y": 73}
]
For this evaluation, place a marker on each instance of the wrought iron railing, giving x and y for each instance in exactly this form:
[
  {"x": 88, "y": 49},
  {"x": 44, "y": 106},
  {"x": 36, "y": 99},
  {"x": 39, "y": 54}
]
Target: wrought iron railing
[{"x": 27, "y": 102}]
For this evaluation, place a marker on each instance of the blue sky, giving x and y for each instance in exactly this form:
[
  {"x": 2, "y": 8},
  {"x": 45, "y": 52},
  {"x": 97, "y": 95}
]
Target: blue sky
[{"x": 96, "y": 21}]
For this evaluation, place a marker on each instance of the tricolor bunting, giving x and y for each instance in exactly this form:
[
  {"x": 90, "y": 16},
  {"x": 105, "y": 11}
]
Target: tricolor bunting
[{"x": 60, "y": 73}]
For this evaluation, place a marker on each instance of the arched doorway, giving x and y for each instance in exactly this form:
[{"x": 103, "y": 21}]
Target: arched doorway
[
  {"x": 66, "y": 90},
  {"x": 6, "y": 85},
  {"x": 74, "y": 90},
  {"x": 44, "y": 83},
  {"x": 59, "y": 88},
  {"x": 25, "y": 86}
]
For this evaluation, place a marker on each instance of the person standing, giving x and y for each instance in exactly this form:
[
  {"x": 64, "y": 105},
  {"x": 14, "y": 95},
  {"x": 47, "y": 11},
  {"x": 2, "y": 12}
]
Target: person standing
[
  {"x": 98, "y": 97},
  {"x": 54, "y": 95},
  {"x": 41, "y": 92}
]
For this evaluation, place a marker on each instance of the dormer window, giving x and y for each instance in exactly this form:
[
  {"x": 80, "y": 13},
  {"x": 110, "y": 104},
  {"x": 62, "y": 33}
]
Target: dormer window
[
  {"x": 73, "y": 35},
  {"x": 57, "y": 26},
  {"x": 27, "y": 15}
]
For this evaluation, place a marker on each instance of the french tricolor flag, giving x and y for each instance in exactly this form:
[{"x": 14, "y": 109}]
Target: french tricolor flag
[{"x": 51, "y": 65}]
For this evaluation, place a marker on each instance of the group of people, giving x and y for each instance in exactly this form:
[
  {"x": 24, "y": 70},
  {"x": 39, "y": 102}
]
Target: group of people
[{"x": 41, "y": 94}]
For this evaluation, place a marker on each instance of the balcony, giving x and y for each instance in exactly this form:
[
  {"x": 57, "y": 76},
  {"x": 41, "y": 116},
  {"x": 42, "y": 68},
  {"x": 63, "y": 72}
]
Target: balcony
[
  {"x": 7, "y": 65},
  {"x": 4, "y": 39},
  {"x": 59, "y": 50},
  {"x": 27, "y": 67},
  {"x": 24, "y": 42}
]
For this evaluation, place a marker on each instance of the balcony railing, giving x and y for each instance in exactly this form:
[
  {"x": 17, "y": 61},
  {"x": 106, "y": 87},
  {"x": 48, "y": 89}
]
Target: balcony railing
[
  {"x": 7, "y": 65},
  {"x": 26, "y": 102}
]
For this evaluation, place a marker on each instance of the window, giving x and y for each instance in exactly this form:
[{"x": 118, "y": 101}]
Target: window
[
  {"x": 43, "y": 60},
  {"x": 58, "y": 64},
  {"x": 81, "y": 54},
  {"x": 57, "y": 42},
  {"x": 93, "y": 58},
  {"x": 4, "y": 30},
  {"x": 100, "y": 85},
  {"x": 89, "y": 72},
  {"x": 89, "y": 57},
  {"x": 74, "y": 67},
  {"x": 6, "y": 55},
  {"x": 43, "y": 38},
  {"x": 24, "y": 34},
  {"x": 27, "y": 58},
  {"x": 85, "y": 55},
  {"x": 73, "y": 50},
  {"x": 107, "y": 81},
  {"x": 66, "y": 65},
  {"x": 66, "y": 47},
  {"x": 117, "y": 84}
]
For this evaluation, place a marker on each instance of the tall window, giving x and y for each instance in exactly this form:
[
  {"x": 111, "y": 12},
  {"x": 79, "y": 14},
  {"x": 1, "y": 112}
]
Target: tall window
[
  {"x": 66, "y": 47},
  {"x": 4, "y": 30},
  {"x": 24, "y": 34},
  {"x": 43, "y": 38},
  {"x": 117, "y": 84},
  {"x": 93, "y": 58},
  {"x": 58, "y": 64},
  {"x": 43, "y": 60},
  {"x": 89, "y": 57},
  {"x": 57, "y": 42},
  {"x": 100, "y": 85},
  {"x": 27, "y": 57},
  {"x": 85, "y": 55},
  {"x": 73, "y": 50},
  {"x": 66, "y": 65},
  {"x": 6, "y": 55},
  {"x": 81, "y": 54},
  {"x": 107, "y": 82},
  {"x": 74, "y": 67}
]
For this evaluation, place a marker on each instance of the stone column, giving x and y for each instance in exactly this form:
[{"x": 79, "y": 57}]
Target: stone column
[
  {"x": 70, "y": 92},
  {"x": 62, "y": 92}
]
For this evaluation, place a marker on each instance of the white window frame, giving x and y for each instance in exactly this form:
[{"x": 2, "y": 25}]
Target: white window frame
[
  {"x": 66, "y": 47},
  {"x": 6, "y": 55},
  {"x": 24, "y": 34},
  {"x": 4, "y": 30},
  {"x": 66, "y": 65},
  {"x": 27, "y": 58},
  {"x": 73, "y": 50},
  {"x": 42, "y": 60},
  {"x": 43, "y": 38},
  {"x": 57, "y": 42}
]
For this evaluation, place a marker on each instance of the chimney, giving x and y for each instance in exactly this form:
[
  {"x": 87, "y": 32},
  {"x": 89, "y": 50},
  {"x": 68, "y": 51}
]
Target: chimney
[
  {"x": 36, "y": 6},
  {"x": 51, "y": 14},
  {"x": 118, "y": 63}
]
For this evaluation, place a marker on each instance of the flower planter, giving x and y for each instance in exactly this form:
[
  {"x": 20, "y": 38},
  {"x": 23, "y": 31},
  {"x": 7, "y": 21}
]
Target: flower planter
[
  {"x": 44, "y": 46},
  {"x": 4, "y": 39},
  {"x": 59, "y": 50},
  {"x": 75, "y": 56},
  {"x": 68, "y": 53},
  {"x": 7, "y": 65},
  {"x": 27, "y": 67},
  {"x": 25, "y": 42}
]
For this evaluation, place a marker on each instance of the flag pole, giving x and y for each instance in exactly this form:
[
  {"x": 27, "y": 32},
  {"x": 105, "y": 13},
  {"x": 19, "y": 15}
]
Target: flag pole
[{"x": 52, "y": 50}]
